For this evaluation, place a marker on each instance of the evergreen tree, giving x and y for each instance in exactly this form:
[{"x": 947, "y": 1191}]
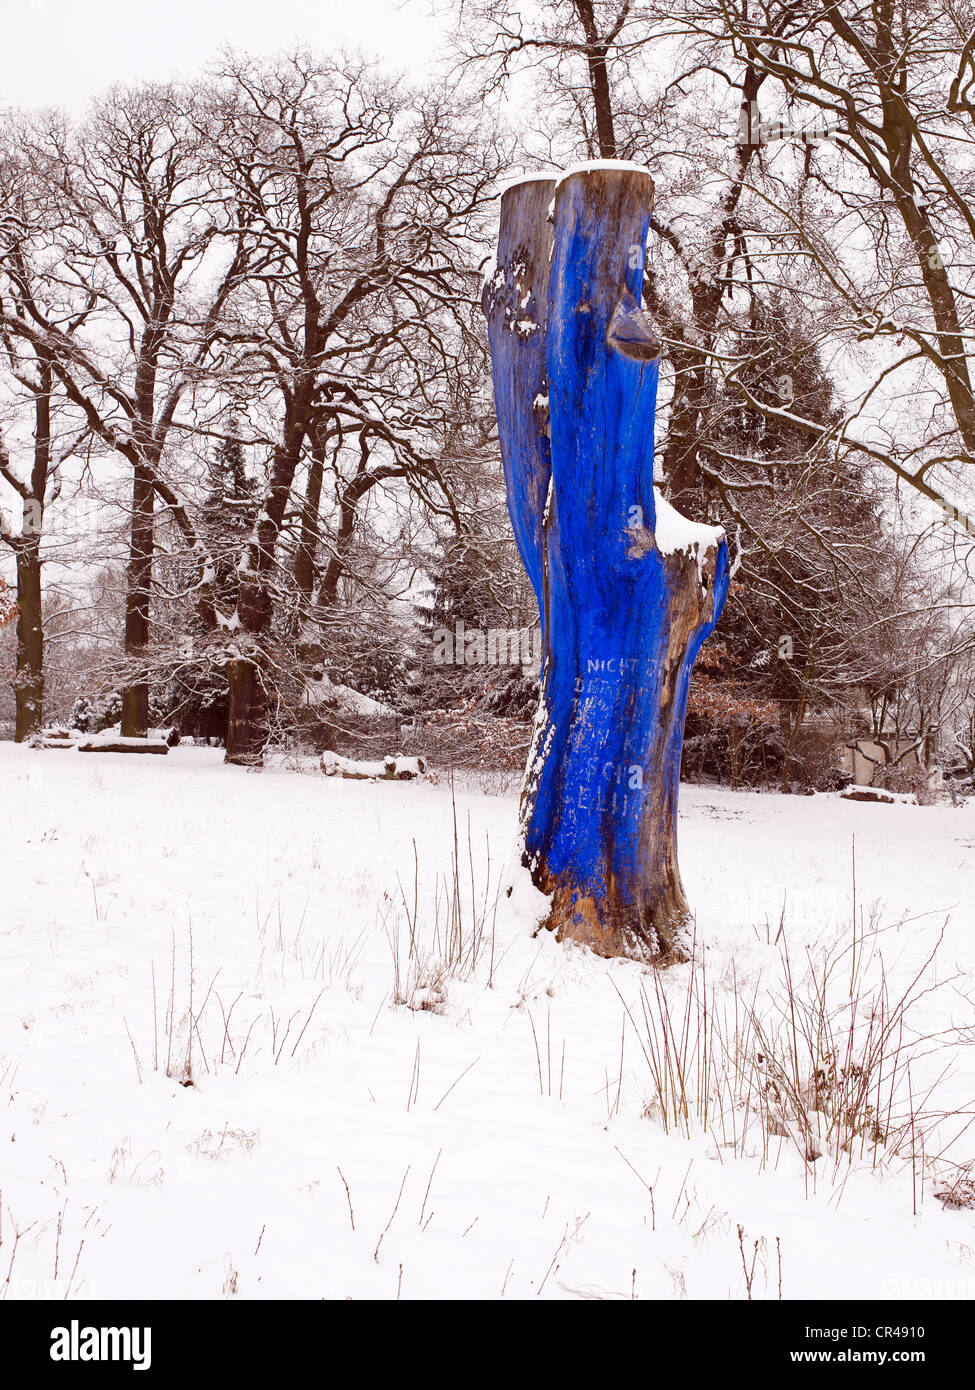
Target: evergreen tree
[{"x": 814, "y": 550}]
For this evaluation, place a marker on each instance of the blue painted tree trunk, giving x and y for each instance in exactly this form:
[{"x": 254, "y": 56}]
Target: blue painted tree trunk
[{"x": 627, "y": 589}]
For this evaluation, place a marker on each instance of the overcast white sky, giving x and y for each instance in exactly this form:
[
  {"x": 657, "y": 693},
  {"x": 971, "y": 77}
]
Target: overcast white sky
[{"x": 61, "y": 52}]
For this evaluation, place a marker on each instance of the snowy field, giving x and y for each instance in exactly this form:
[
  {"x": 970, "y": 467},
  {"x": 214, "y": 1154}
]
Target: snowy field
[{"x": 224, "y": 1072}]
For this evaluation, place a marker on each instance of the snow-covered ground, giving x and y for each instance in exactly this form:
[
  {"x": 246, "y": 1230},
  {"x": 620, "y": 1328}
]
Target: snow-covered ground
[{"x": 500, "y": 1132}]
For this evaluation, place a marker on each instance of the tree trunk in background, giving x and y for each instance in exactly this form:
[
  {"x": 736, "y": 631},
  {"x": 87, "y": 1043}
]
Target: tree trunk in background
[
  {"x": 29, "y": 681},
  {"x": 691, "y": 343},
  {"x": 627, "y": 589},
  {"x": 247, "y": 716},
  {"x": 135, "y": 697},
  {"x": 247, "y": 723},
  {"x": 596, "y": 51},
  {"x": 306, "y": 553}
]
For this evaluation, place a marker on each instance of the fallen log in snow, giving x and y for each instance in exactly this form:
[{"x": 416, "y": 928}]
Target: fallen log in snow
[
  {"x": 392, "y": 769},
  {"x": 855, "y": 793},
  {"x": 54, "y": 738},
  {"x": 117, "y": 744}
]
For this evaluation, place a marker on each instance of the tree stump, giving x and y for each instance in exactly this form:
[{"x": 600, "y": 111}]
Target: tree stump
[{"x": 627, "y": 589}]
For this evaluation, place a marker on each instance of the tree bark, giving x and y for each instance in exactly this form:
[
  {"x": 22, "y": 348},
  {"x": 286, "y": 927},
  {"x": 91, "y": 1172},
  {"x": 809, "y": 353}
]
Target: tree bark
[
  {"x": 306, "y": 553},
  {"x": 627, "y": 589},
  {"x": 692, "y": 343},
  {"x": 29, "y": 680},
  {"x": 247, "y": 716},
  {"x": 247, "y": 724},
  {"x": 135, "y": 697},
  {"x": 596, "y": 51}
]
